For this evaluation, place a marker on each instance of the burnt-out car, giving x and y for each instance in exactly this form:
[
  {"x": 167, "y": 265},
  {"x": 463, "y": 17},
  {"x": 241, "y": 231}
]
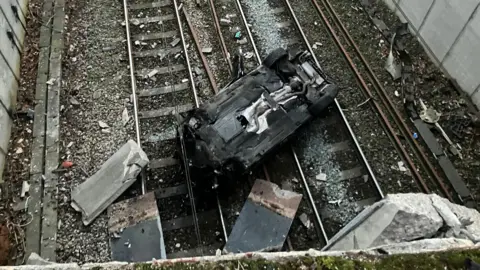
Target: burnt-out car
[{"x": 255, "y": 113}]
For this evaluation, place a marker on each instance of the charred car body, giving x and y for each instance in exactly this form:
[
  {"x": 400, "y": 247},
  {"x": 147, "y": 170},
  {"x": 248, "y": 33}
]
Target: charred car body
[{"x": 255, "y": 113}]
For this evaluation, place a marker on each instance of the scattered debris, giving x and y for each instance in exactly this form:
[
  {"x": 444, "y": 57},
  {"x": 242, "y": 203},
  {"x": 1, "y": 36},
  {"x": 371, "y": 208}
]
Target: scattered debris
[
  {"x": 249, "y": 55},
  {"x": 321, "y": 176},
  {"x": 207, "y": 50},
  {"x": 242, "y": 41},
  {"x": 177, "y": 245},
  {"x": 25, "y": 189},
  {"x": 224, "y": 21},
  {"x": 70, "y": 144},
  {"x": 51, "y": 81},
  {"x": 19, "y": 150},
  {"x": 74, "y": 101},
  {"x": 109, "y": 182},
  {"x": 238, "y": 35},
  {"x": 35, "y": 259},
  {"x": 391, "y": 65},
  {"x": 268, "y": 209},
  {"x": 67, "y": 164},
  {"x": 175, "y": 42},
  {"x": 316, "y": 45},
  {"x": 305, "y": 220},
  {"x": 125, "y": 117},
  {"x": 136, "y": 221},
  {"x": 103, "y": 124},
  {"x": 401, "y": 166}
]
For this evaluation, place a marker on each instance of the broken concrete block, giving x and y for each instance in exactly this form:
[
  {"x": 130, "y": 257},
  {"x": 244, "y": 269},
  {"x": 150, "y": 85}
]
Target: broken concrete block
[
  {"x": 470, "y": 218},
  {"x": 35, "y": 259},
  {"x": 135, "y": 230},
  {"x": 109, "y": 182},
  {"x": 265, "y": 219},
  {"x": 397, "y": 218}
]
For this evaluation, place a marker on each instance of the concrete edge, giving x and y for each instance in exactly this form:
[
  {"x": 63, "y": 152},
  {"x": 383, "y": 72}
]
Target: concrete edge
[
  {"x": 274, "y": 257},
  {"x": 52, "y": 141},
  {"x": 33, "y": 230}
]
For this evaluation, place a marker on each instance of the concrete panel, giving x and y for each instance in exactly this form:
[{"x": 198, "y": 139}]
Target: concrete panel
[
  {"x": 8, "y": 85},
  {"x": 5, "y": 127},
  {"x": 444, "y": 24},
  {"x": 463, "y": 61},
  {"x": 15, "y": 22},
  {"x": 415, "y": 10},
  {"x": 8, "y": 49}
]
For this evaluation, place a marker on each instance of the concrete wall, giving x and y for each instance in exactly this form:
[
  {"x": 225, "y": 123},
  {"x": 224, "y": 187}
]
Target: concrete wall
[
  {"x": 450, "y": 31},
  {"x": 12, "y": 32}
]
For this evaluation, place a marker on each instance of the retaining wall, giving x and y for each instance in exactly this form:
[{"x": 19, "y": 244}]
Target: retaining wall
[
  {"x": 450, "y": 32},
  {"x": 12, "y": 32}
]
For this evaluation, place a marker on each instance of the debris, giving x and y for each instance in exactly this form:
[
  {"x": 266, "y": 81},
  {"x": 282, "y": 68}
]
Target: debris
[
  {"x": 67, "y": 164},
  {"x": 21, "y": 205},
  {"x": 238, "y": 35},
  {"x": 316, "y": 45},
  {"x": 109, "y": 182},
  {"x": 197, "y": 70},
  {"x": 106, "y": 131},
  {"x": 396, "y": 93},
  {"x": 137, "y": 222},
  {"x": 391, "y": 65},
  {"x": 184, "y": 80},
  {"x": 268, "y": 209},
  {"x": 224, "y": 21},
  {"x": 404, "y": 218},
  {"x": 321, "y": 177},
  {"x": 152, "y": 73},
  {"x": 249, "y": 55},
  {"x": 305, "y": 221},
  {"x": 74, "y": 101},
  {"x": 207, "y": 50},
  {"x": 135, "y": 22},
  {"x": 401, "y": 166},
  {"x": 125, "y": 117},
  {"x": 177, "y": 245},
  {"x": 25, "y": 189},
  {"x": 218, "y": 253},
  {"x": 337, "y": 202},
  {"x": 175, "y": 42},
  {"x": 35, "y": 259},
  {"x": 19, "y": 150},
  {"x": 69, "y": 144},
  {"x": 103, "y": 124},
  {"x": 242, "y": 41},
  {"x": 51, "y": 81}
]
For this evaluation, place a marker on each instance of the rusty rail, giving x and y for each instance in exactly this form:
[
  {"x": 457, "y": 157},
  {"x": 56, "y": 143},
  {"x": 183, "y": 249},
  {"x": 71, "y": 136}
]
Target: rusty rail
[
  {"x": 368, "y": 92},
  {"x": 226, "y": 54},
  {"x": 199, "y": 49},
  {"x": 389, "y": 104}
]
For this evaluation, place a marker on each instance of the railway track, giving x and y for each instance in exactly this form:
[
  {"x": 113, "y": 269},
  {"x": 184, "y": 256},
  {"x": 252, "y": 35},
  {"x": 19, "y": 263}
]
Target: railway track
[
  {"x": 163, "y": 85},
  {"x": 325, "y": 166},
  {"x": 325, "y": 162}
]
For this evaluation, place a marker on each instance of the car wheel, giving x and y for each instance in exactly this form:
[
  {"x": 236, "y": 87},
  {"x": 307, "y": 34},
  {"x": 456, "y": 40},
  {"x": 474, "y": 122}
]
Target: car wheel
[
  {"x": 274, "y": 57},
  {"x": 322, "y": 102}
]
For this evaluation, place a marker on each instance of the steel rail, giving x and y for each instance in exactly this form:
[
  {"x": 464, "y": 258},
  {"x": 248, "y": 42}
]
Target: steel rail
[
  {"x": 375, "y": 104},
  {"x": 387, "y": 101},
  {"x": 199, "y": 49},
  {"x": 239, "y": 6},
  {"x": 197, "y": 103},
  {"x": 133, "y": 82},
  {"x": 297, "y": 162},
  {"x": 226, "y": 54},
  {"x": 339, "y": 108}
]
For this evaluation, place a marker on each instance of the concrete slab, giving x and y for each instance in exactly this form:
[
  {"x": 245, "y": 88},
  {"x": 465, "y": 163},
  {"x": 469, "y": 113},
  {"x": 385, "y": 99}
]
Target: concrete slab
[
  {"x": 463, "y": 61},
  {"x": 135, "y": 230},
  {"x": 415, "y": 10},
  {"x": 444, "y": 23},
  {"x": 109, "y": 182},
  {"x": 265, "y": 219}
]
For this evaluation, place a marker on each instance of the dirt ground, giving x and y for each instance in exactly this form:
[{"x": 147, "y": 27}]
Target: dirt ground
[{"x": 12, "y": 217}]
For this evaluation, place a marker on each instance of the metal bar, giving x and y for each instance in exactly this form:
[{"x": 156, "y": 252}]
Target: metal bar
[
  {"x": 339, "y": 108},
  {"x": 134, "y": 85},
  {"x": 248, "y": 31},
  {"x": 394, "y": 112},
  {"x": 199, "y": 49},
  {"x": 310, "y": 197},
  {"x": 226, "y": 54},
  {"x": 184, "y": 44}
]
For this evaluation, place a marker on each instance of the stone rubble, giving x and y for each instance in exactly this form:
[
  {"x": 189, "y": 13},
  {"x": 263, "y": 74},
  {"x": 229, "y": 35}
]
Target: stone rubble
[{"x": 408, "y": 217}]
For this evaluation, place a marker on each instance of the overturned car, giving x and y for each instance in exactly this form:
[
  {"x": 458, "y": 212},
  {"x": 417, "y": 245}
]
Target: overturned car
[{"x": 255, "y": 113}]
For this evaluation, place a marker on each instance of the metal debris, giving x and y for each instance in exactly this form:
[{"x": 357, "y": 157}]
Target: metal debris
[
  {"x": 25, "y": 189},
  {"x": 391, "y": 65}
]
